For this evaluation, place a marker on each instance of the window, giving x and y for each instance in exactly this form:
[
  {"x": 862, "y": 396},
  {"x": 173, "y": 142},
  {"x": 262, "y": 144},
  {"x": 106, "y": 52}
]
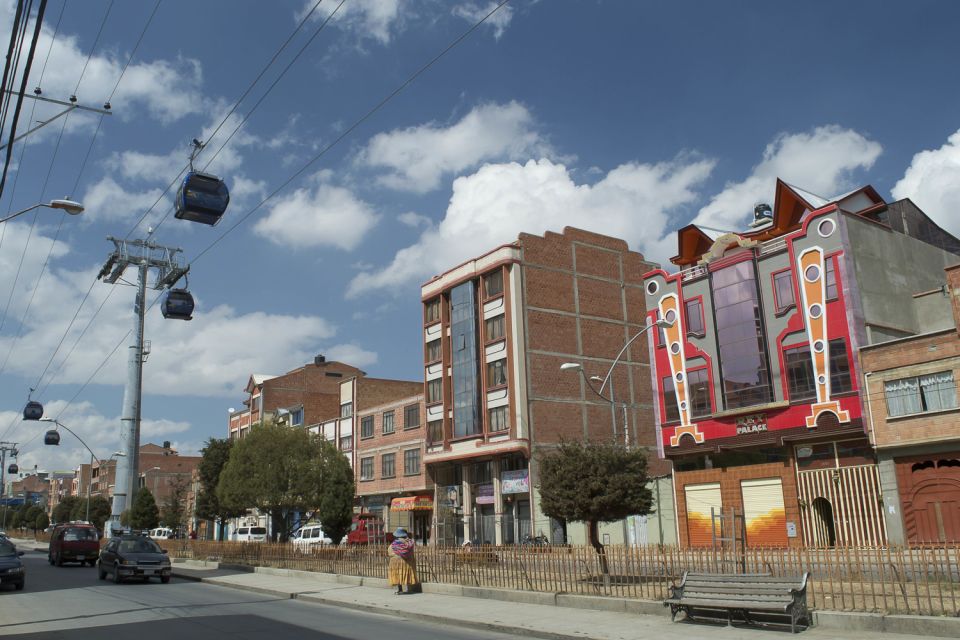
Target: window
[
  {"x": 740, "y": 336},
  {"x": 366, "y": 427},
  {"x": 934, "y": 392},
  {"x": 431, "y": 310},
  {"x": 433, "y": 350},
  {"x": 496, "y": 373},
  {"x": 435, "y": 391},
  {"x": 783, "y": 293},
  {"x": 698, "y": 390},
  {"x": 346, "y": 443},
  {"x": 493, "y": 283},
  {"x": 498, "y": 419},
  {"x": 672, "y": 411},
  {"x": 388, "y": 422},
  {"x": 694, "y": 317},
  {"x": 494, "y": 328},
  {"x": 366, "y": 468},
  {"x": 346, "y": 410},
  {"x": 411, "y": 462},
  {"x": 831, "y": 279},
  {"x": 388, "y": 465},
  {"x": 802, "y": 384},
  {"x": 411, "y": 416},
  {"x": 466, "y": 363},
  {"x": 435, "y": 431},
  {"x": 296, "y": 417}
]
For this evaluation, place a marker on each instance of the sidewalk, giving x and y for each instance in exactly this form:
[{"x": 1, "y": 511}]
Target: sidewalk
[{"x": 541, "y": 615}]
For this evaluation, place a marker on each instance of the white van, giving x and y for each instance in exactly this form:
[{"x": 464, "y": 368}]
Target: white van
[
  {"x": 310, "y": 535},
  {"x": 250, "y": 534},
  {"x": 161, "y": 533}
]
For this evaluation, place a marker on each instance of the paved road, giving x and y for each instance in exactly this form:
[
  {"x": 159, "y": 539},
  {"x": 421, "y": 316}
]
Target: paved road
[{"x": 70, "y": 603}]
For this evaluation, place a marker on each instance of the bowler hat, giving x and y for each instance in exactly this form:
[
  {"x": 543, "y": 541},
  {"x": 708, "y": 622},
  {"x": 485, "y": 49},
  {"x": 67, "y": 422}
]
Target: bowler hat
[{"x": 400, "y": 533}]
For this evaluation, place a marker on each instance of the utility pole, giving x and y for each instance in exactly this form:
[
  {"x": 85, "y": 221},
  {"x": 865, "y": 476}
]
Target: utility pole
[
  {"x": 144, "y": 255},
  {"x": 4, "y": 448}
]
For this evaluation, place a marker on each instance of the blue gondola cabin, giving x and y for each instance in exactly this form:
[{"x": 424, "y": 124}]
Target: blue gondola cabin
[{"x": 202, "y": 198}]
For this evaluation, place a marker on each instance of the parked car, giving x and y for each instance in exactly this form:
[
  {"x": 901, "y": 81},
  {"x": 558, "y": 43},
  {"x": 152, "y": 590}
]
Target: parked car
[
  {"x": 161, "y": 533},
  {"x": 250, "y": 534},
  {"x": 11, "y": 567},
  {"x": 367, "y": 528},
  {"x": 132, "y": 556},
  {"x": 309, "y": 535},
  {"x": 73, "y": 542}
]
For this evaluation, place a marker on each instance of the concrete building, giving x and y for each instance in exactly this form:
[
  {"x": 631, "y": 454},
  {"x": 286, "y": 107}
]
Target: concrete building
[
  {"x": 497, "y": 329},
  {"x": 758, "y": 385},
  {"x": 914, "y": 419},
  {"x": 161, "y": 469}
]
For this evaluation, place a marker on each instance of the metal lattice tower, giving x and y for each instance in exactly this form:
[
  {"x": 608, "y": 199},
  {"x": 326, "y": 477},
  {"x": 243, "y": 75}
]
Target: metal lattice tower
[{"x": 144, "y": 255}]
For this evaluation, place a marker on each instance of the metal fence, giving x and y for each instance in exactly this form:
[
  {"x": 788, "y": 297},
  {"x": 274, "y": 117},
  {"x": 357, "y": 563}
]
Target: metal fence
[{"x": 915, "y": 580}]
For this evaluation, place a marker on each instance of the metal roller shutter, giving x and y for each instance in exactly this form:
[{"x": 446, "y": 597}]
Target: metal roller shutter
[
  {"x": 700, "y": 498},
  {"x": 763, "y": 512}
]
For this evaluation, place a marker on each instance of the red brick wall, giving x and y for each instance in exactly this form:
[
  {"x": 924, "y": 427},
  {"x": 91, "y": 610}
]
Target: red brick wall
[{"x": 397, "y": 442}]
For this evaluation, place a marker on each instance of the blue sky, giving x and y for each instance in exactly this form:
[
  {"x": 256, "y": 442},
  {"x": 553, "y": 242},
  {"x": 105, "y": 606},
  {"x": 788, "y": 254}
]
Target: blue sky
[{"x": 628, "y": 118}]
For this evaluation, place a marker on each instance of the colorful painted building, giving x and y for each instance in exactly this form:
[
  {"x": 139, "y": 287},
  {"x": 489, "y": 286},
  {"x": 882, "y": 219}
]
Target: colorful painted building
[{"x": 759, "y": 394}]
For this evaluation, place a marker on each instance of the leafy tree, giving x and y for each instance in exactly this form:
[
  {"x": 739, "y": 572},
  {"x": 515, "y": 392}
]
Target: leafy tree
[
  {"x": 29, "y": 519},
  {"x": 144, "y": 514},
  {"x": 64, "y": 509},
  {"x": 335, "y": 509},
  {"x": 594, "y": 482},
  {"x": 42, "y": 522},
  {"x": 275, "y": 469},
  {"x": 174, "y": 507},
  {"x": 215, "y": 454},
  {"x": 99, "y": 511},
  {"x": 16, "y": 520}
]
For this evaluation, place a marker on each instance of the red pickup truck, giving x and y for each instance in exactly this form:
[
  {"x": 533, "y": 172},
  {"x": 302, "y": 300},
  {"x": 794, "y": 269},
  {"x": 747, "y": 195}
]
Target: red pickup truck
[{"x": 367, "y": 528}]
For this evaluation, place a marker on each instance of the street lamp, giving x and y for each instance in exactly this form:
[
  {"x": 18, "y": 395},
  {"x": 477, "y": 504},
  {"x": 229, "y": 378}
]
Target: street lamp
[
  {"x": 71, "y": 207},
  {"x": 576, "y": 366},
  {"x": 56, "y": 441}
]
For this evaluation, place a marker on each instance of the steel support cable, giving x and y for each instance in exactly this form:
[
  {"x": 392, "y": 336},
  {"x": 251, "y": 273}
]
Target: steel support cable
[
  {"x": 373, "y": 110},
  {"x": 256, "y": 105},
  {"x": 273, "y": 59}
]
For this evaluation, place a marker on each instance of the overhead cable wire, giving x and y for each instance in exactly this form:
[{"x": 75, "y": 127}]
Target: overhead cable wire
[
  {"x": 366, "y": 116},
  {"x": 236, "y": 104},
  {"x": 17, "y": 33}
]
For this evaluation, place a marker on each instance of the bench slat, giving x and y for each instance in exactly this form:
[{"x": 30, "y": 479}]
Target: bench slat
[
  {"x": 723, "y": 587},
  {"x": 722, "y": 604},
  {"x": 735, "y": 597}
]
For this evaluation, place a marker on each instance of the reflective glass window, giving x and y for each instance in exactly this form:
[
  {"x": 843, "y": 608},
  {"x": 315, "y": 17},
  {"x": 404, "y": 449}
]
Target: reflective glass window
[
  {"x": 698, "y": 386},
  {"x": 672, "y": 411},
  {"x": 801, "y": 384},
  {"x": 366, "y": 427},
  {"x": 694, "y": 317},
  {"x": 465, "y": 365},
  {"x": 831, "y": 279},
  {"x": 783, "y": 290}
]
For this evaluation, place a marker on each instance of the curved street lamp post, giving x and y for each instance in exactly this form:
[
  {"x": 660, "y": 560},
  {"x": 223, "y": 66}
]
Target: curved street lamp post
[{"x": 71, "y": 207}]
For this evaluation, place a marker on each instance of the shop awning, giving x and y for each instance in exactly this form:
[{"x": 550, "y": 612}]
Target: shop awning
[{"x": 412, "y": 503}]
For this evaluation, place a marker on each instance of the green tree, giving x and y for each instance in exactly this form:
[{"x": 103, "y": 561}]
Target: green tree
[
  {"x": 29, "y": 519},
  {"x": 594, "y": 482},
  {"x": 99, "y": 511},
  {"x": 174, "y": 507},
  {"x": 15, "y": 520},
  {"x": 215, "y": 454},
  {"x": 64, "y": 509},
  {"x": 42, "y": 522},
  {"x": 335, "y": 509},
  {"x": 144, "y": 513},
  {"x": 274, "y": 469}
]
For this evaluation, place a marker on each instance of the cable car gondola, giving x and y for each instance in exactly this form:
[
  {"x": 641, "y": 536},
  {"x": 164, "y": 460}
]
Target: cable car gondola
[
  {"x": 177, "y": 305},
  {"x": 13, "y": 468},
  {"x": 33, "y": 410},
  {"x": 51, "y": 437},
  {"x": 202, "y": 198}
]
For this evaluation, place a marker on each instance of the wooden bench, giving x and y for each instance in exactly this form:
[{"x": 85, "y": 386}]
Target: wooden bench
[{"x": 741, "y": 594}]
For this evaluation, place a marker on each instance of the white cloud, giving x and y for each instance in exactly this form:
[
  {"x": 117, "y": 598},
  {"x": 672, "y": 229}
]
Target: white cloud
[
  {"x": 417, "y": 158},
  {"x": 325, "y": 215},
  {"x": 932, "y": 181},
  {"x": 376, "y": 19},
  {"x": 822, "y": 162},
  {"x": 499, "y": 21},
  {"x": 412, "y": 219},
  {"x": 491, "y": 207},
  {"x": 106, "y": 200},
  {"x": 352, "y": 354}
]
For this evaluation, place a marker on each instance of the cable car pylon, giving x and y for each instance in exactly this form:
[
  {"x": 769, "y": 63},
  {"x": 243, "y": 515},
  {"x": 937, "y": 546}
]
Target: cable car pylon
[{"x": 145, "y": 255}]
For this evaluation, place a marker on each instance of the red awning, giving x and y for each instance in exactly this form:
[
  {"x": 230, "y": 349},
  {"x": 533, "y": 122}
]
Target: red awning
[{"x": 412, "y": 503}]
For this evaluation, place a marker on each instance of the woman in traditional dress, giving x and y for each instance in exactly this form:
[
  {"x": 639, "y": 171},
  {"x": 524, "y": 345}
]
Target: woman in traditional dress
[{"x": 403, "y": 561}]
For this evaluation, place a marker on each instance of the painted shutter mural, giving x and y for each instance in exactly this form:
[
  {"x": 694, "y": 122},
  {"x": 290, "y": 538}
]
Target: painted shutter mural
[
  {"x": 700, "y": 498},
  {"x": 763, "y": 512}
]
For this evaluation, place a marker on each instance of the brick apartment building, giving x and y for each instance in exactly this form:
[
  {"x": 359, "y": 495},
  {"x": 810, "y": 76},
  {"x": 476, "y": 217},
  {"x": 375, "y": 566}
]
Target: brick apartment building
[
  {"x": 310, "y": 394},
  {"x": 911, "y": 387},
  {"x": 161, "y": 469},
  {"x": 497, "y": 329},
  {"x": 759, "y": 393}
]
